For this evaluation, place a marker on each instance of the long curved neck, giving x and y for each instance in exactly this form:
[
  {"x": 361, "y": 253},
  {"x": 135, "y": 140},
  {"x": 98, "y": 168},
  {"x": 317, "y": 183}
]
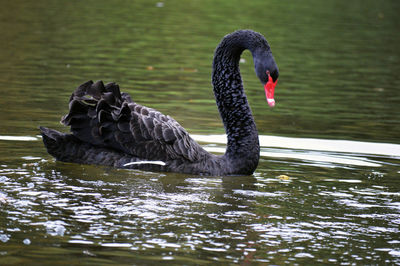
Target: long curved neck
[{"x": 243, "y": 148}]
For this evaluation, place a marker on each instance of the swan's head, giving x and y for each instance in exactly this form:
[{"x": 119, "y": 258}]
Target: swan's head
[{"x": 268, "y": 73}]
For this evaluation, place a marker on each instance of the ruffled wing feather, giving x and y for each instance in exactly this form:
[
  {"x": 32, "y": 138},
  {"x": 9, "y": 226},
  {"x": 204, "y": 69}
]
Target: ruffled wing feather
[{"x": 105, "y": 117}]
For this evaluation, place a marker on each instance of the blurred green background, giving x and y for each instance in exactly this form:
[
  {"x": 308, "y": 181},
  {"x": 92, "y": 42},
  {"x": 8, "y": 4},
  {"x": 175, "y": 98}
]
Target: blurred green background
[{"x": 339, "y": 62}]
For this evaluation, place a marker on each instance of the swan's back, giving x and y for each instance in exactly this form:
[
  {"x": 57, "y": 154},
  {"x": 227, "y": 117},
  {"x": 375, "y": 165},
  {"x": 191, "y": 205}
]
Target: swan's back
[{"x": 103, "y": 117}]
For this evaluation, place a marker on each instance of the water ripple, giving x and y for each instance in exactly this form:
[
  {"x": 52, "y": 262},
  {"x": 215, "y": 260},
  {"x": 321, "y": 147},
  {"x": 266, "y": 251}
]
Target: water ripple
[{"x": 292, "y": 215}]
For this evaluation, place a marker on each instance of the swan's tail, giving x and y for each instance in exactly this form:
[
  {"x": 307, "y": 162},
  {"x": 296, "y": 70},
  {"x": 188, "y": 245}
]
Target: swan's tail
[
  {"x": 68, "y": 148},
  {"x": 60, "y": 145}
]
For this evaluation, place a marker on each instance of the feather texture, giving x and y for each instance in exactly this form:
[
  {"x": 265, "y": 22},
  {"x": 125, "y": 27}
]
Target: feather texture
[{"x": 102, "y": 116}]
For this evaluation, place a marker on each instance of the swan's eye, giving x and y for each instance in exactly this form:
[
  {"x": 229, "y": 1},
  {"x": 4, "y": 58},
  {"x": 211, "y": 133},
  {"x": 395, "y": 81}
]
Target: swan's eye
[{"x": 268, "y": 75}]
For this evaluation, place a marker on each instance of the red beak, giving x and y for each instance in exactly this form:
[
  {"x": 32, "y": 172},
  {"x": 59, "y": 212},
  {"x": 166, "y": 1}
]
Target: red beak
[{"x": 269, "y": 88}]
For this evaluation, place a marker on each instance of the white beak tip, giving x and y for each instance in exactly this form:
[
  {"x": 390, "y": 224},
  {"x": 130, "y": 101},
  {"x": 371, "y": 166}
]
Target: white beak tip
[{"x": 271, "y": 102}]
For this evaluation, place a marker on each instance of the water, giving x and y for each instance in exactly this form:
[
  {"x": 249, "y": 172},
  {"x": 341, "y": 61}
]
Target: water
[{"x": 327, "y": 186}]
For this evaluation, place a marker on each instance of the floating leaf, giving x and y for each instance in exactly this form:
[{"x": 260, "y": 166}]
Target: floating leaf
[{"x": 284, "y": 177}]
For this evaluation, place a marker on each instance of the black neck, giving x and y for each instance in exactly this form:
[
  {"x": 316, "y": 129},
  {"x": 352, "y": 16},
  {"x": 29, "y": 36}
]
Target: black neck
[{"x": 243, "y": 145}]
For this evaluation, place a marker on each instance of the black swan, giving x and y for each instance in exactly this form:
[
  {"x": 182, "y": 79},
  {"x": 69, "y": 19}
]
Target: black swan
[{"x": 109, "y": 128}]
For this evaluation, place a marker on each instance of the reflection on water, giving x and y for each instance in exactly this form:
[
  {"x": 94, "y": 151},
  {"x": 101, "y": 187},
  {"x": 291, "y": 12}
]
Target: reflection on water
[
  {"x": 345, "y": 146},
  {"x": 327, "y": 193},
  {"x": 319, "y": 151}
]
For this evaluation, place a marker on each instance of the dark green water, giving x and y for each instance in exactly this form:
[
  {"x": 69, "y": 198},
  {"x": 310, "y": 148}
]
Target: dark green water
[{"x": 313, "y": 199}]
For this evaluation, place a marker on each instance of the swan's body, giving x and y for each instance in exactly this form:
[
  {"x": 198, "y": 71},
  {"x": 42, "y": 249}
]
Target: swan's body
[{"x": 108, "y": 128}]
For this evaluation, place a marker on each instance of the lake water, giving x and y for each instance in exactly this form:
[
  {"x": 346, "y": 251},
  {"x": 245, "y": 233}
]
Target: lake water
[{"x": 327, "y": 188}]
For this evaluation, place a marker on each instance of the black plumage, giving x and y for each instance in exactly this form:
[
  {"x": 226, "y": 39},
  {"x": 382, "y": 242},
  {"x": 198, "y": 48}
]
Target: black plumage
[{"x": 108, "y": 128}]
